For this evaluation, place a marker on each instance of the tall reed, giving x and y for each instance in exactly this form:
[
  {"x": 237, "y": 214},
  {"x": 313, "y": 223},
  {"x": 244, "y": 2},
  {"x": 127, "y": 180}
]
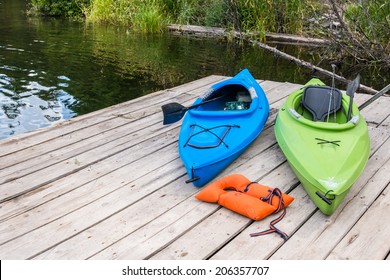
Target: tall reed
[
  {"x": 285, "y": 16},
  {"x": 141, "y": 15},
  {"x": 149, "y": 17},
  {"x": 245, "y": 15}
]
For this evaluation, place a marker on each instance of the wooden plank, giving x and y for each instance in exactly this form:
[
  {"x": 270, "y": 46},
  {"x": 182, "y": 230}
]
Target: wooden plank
[
  {"x": 41, "y": 210},
  {"x": 281, "y": 91},
  {"x": 221, "y": 227},
  {"x": 158, "y": 198},
  {"x": 298, "y": 213},
  {"x": 115, "y": 169},
  {"x": 127, "y": 222},
  {"x": 94, "y": 171},
  {"x": 360, "y": 98},
  {"x": 159, "y": 216},
  {"x": 385, "y": 124},
  {"x": 148, "y": 240},
  {"x": 369, "y": 238},
  {"x": 377, "y": 112},
  {"x": 258, "y": 147},
  {"x": 76, "y": 143},
  {"x": 140, "y": 113},
  {"x": 79, "y": 196},
  {"x": 217, "y": 230},
  {"x": 99, "y": 175},
  {"x": 23, "y": 141},
  {"x": 123, "y": 147},
  {"x": 320, "y": 234},
  {"x": 46, "y": 236},
  {"x": 34, "y": 198},
  {"x": 129, "y": 134},
  {"x": 245, "y": 247}
]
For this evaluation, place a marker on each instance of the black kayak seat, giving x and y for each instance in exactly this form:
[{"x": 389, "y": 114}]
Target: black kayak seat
[{"x": 316, "y": 100}]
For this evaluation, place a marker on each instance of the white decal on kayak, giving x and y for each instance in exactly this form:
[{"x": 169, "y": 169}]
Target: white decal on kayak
[
  {"x": 354, "y": 120},
  {"x": 331, "y": 183},
  {"x": 207, "y": 94},
  {"x": 295, "y": 113},
  {"x": 252, "y": 92}
]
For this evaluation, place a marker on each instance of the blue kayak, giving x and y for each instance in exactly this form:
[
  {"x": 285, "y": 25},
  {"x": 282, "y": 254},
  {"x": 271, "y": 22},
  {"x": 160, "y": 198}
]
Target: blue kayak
[{"x": 216, "y": 133}]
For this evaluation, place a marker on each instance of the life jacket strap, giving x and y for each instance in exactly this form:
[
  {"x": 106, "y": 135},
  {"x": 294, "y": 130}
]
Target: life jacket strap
[{"x": 272, "y": 228}]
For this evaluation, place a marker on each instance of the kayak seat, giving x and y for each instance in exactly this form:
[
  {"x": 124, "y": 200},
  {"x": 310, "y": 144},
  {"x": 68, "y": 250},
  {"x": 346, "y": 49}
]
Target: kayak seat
[{"x": 318, "y": 99}]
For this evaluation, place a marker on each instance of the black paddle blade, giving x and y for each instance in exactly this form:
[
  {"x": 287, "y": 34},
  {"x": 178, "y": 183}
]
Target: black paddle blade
[
  {"x": 173, "y": 112},
  {"x": 353, "y": 86},
  {"x": 351, "y": 89}
]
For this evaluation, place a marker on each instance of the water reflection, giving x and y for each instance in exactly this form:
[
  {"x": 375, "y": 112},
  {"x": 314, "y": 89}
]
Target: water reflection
[
  {"x": 26, "y": 105},
  {"x": 56, "y": 69},
  {"x": 53, "y": 69},
  {"x": 32, "y": 96}
]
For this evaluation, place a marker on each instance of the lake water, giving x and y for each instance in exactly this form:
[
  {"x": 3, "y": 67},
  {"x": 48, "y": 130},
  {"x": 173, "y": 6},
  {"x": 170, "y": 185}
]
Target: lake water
[{"x": 55, "y": 69}]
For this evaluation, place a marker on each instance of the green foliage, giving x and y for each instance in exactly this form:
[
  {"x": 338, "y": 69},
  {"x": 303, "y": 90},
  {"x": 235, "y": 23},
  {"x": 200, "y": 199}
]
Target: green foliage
[
  {"x": 149, "y": 18},
  {"x": 245, "y": 15},
  {"x": 260, "y": 16},
  {"x": 111, "y": 11},
  {"x": 191, "y": 11},
  {"x": 152, "y": 15},
  {"x": 72, "y": 8},
  {"x": 216, "y": 13},
  {"x": 371, "y": 19},
  {"x": 141, "y": 15},
  {"x": 362, "y": 33}
]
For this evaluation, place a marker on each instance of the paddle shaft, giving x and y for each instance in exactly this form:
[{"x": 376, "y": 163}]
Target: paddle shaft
[
  {"x": 375, "y": 97},
  {"x": 202, "y": 103},
  {"x": 173, "y": 112},
  {"x": 351, "y": 89},
  {"x": 350, "y": 107}
]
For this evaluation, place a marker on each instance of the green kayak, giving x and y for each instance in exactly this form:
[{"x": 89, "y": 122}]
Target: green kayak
[{"x": 326, "y": 151}]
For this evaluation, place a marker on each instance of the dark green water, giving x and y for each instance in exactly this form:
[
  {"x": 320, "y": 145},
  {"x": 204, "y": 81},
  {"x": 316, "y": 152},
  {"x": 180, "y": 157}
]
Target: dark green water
[{"x": 53, "y": 69}]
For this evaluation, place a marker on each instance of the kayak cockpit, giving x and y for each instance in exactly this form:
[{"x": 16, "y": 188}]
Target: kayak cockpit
[
  {"x": 335, "y": 120},
  {"x": 230, "y": 97}
]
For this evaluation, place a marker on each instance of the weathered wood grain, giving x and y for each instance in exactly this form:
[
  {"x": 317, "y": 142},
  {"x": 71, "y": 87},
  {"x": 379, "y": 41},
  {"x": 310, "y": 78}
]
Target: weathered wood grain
[
  {"x": 110, "y": 185},
  {"x": 371, "y": 235},
  {"x": 20, "y": 142},
  {"x": 320, "y": 234}
]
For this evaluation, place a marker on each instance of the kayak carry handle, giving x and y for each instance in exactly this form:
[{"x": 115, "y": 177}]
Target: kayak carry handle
[
  {"x": 192, "y": 180},
  {"x": 324, "y": 198}
]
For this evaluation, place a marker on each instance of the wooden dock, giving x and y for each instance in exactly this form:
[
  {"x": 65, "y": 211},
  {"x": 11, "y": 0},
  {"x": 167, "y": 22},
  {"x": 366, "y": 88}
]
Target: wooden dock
[{"x": 111, "y": 185}]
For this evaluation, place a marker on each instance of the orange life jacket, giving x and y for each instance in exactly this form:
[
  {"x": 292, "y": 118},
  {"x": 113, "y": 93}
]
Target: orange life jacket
[{"x": 251, "y": 199}]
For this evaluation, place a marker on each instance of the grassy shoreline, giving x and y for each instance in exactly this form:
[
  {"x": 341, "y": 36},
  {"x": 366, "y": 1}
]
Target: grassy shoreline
[
  {"x": 358, "y": 29},
  {"x": 153, "y": 15}
]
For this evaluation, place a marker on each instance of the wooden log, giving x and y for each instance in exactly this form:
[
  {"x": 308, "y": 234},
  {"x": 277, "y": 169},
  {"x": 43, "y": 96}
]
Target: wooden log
[
  {"x": 214, "y": 31},
  {"x": 204, "y": 31},
  {"x": 306, "y": 64}
]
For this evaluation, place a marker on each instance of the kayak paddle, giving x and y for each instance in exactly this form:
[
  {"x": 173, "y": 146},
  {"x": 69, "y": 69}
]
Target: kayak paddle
[
  {"x": 174, "y": 111},
  {"x": 351, "y": 89},
  {"x": 375, "y": 97}
]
